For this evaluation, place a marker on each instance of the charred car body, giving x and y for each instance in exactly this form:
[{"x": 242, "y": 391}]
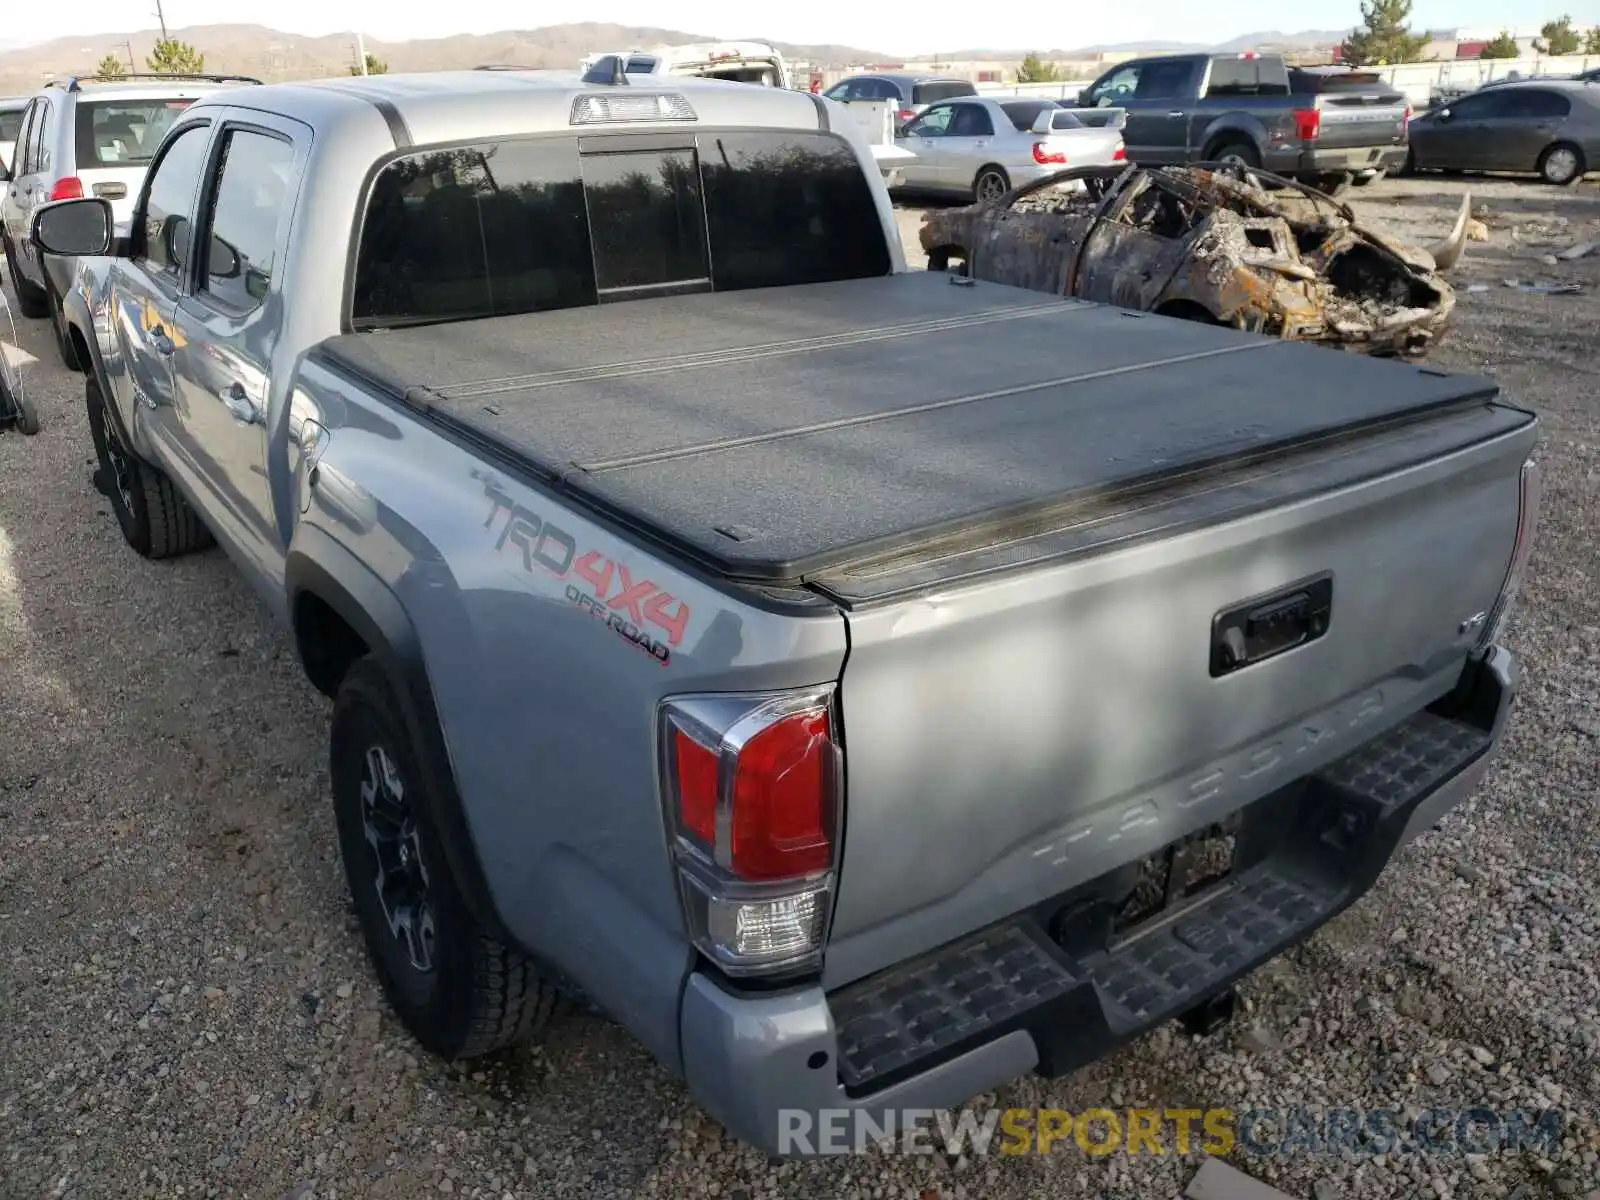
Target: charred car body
[{"x": 1214, "y": 243}]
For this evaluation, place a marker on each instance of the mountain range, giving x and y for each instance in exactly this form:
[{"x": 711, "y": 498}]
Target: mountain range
[{"x": 273, "y": 54}]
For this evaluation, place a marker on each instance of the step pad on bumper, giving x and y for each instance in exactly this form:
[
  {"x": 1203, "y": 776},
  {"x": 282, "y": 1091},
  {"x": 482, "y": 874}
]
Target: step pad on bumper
[
  {"x": 924, "y": 1007},
  {"x": 1012, "y": 976}
]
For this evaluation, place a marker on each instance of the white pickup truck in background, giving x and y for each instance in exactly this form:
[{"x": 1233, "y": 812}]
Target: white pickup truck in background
[
  {"x": 876, "y": 120},
  {"x": 758, "y": 63}
]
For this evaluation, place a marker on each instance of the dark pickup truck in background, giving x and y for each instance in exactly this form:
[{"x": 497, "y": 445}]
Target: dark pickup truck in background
[{"x": 1328, "y": 128}]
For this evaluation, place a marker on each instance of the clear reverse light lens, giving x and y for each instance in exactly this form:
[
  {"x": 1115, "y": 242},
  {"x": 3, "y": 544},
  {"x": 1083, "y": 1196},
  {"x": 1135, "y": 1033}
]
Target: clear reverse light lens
[
  {"x": 748, "y": 933},
  {"x": 605, "y": 108}
]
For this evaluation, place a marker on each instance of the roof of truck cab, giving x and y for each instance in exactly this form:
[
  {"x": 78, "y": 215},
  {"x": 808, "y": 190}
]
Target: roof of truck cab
[{"x": 443, "y": 106}]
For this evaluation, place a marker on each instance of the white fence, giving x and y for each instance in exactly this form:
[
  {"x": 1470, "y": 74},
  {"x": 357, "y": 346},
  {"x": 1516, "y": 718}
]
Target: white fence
[{"x": 1419, "y": 81}]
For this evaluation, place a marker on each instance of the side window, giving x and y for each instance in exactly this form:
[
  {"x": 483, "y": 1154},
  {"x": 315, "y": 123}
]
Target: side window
[
  {"x": 934, "y": 122},
  {"x": 840, "y": 91},
  {"x": 1163, "y": 80},
  {"x": 44, "y": 127},
  {"x": 1542, "y": 106},
  {"x": 22, "y": 161},
  {"x": 1232, "y": 77},
  {"x": 1115, "y": 89},
  {"x": 162, "y": 229},
  {"x": 970, "y": 120},
  {"x": 252, "y": 200}
]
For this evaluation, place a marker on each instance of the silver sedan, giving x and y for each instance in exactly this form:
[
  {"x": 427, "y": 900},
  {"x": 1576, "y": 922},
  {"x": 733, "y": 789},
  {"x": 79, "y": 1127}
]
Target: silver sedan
[{"x": 977, "y": 148}]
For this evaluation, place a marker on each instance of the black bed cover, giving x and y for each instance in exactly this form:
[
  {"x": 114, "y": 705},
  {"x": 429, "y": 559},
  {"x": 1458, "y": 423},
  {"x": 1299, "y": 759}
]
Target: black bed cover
[{"x": 777, "y": 432}]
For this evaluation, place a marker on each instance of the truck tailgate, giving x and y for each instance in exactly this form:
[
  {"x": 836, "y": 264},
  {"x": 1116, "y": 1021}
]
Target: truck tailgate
[
  {"x": 1039, "y": 707},
  {"x": 772, "y": 434},
  {"x": 1355, "y": 119}
]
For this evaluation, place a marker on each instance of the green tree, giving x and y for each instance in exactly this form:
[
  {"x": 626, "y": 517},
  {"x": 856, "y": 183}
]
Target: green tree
[
  {"x": 1386, "y": 38},
  {"x": 1591, "y": 41},
  {"x": 375, "y": 66},
  {"x": 110, "y": 65},
  {"x": 1501, "y": 46},
  {"x": 1034, "y": 69},
  {"x": 1559, "y": 37},
  {"x": 172, "y": 57}
]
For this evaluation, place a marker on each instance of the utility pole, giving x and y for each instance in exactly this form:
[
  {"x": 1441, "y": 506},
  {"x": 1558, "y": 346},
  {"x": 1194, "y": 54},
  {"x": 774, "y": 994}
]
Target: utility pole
[
  {"x": 161, "y": 17},
  {"x": 361, "y": 53},
  {"x": 133, "y": 67}
]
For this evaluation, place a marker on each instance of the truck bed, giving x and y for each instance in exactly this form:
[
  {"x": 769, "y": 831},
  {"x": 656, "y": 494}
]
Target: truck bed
[{"x": 778, "y": 433}]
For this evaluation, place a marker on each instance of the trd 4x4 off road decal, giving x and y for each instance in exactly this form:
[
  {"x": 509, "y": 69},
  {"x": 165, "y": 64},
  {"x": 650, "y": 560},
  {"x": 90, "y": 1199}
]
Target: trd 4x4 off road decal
[{"x": 633, "y": 607}]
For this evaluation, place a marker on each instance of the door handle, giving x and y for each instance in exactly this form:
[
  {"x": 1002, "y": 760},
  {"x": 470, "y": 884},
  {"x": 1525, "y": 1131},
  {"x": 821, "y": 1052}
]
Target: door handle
[
  {"x": 1179, "y": 113},
  {"x": 163, "y": 343},
  {"x": 239, "y": 404}
]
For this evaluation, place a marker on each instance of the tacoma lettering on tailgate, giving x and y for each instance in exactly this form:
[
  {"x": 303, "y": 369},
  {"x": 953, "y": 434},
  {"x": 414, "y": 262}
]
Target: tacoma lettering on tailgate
[{"x": 629, "y": 606}]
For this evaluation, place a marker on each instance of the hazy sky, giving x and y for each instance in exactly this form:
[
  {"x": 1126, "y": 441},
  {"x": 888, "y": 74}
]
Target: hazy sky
[{"x": 873, "y": 24}]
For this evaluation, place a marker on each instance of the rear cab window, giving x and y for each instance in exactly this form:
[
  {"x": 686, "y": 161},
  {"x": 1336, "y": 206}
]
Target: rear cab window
[
  {"x": 1247, "y": 77},
  {"x": 529, "y": 225},
  {"x": 10, "y": 124},
  {"x": 116, "y": 133},
  {"x": 941, "y": 89}
]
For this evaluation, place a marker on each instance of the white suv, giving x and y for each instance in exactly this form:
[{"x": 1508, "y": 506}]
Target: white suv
[{"x": 85, "y": 136}]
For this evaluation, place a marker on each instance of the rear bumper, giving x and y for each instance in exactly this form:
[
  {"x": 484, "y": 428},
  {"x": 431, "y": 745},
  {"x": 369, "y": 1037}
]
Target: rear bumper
[
  {"x": 1355, "y": 160},
  {"x": 784, "y": 1071}
]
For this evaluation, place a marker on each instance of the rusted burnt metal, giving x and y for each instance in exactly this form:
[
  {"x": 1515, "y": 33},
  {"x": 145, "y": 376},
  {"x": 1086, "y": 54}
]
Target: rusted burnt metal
[{"x": 1210, "y": 242}]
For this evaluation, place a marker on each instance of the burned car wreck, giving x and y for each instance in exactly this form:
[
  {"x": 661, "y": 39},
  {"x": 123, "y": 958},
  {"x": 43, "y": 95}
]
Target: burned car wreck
[{"x": 1212, "y": 242}]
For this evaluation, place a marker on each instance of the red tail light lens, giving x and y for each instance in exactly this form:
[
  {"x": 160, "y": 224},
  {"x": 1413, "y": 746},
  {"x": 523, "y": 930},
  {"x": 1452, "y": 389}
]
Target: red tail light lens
[
  {"x": 697, "y": 787},
  {"x": 1120, "y": 154},
  {"x": 1046, "y": 157},
  {"x": 1307, "y": 124},
  {"x": 70, "y": 188},
  {"x": 782, "y": 797},
  {"x": 905, "y": 114}
]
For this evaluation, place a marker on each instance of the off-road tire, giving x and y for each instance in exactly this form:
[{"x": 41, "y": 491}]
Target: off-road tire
[
  {"x": 479, "y": 995},
  {"x": 32, "y": 300},
  {"x": 1562, "y": 153},
  {"x": 21, "y": 408},
  {"x": 154, "y": 517}
]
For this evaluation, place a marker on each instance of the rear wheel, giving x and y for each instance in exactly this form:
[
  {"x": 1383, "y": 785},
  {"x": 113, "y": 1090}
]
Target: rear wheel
[
  {"x": 14, "y": 404},
  {"x": 990, "y": 185},
  {"x": 1235, "y": 152},
  {"x": 32, "y": 300},
  {"x": 459, "y": 991},
  {"x": 1561, "y": 164},
  {"x": 154, "y": 517}
]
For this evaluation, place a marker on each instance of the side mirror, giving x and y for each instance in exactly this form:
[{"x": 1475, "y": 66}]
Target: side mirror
[
  {"x": 74, "y": 228},
  {"x": 1444, "y": 114}
]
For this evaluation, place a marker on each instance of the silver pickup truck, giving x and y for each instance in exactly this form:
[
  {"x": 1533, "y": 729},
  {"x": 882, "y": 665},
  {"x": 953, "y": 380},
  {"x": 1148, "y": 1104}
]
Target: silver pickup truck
[{"x": 866, "y": 685}]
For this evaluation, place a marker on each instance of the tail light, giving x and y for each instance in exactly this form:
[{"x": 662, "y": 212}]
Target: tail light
[
  {"x": 1120, "y": 154},
  {"x": 1307, "y": 123},
  {"x": 1528, "y": 492},
  {"x": 752, "y": 786},
  {"x": 1046, "y": 157},
  {"x": 1405, "y": 121},
  {"x": 904, "y": 115},
  {"x": 69, "y": 188}
]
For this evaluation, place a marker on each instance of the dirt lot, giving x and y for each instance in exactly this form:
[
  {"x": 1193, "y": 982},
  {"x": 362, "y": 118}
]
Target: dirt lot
[{"x": 187, "y": 1011}]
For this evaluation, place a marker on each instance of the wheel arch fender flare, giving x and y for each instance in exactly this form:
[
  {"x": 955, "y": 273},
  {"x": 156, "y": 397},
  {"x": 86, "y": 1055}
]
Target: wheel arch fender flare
[{"x": 317, "y": 565}]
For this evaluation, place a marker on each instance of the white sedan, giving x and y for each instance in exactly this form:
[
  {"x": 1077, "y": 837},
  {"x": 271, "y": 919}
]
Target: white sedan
[{"x": 978, "y": 148}]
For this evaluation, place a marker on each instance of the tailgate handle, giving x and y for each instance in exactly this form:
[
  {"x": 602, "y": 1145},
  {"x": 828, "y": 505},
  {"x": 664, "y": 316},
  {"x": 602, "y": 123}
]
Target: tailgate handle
[{"x": 1255, "y": 630}]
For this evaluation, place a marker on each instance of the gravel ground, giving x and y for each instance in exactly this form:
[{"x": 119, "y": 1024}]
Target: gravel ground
[{"x": 188, "y": 1012}]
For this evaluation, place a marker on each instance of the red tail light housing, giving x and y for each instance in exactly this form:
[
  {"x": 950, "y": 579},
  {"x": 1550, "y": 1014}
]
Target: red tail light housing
[
  {"x": 1307, "y": 123},
  {"x": 1120, "y": 154},
  {"x": 752, "y": 788},
  {"x": 904, "y": 115},
  {"x": 68, "y": 188},
  {"x": 1046, "y": 157}
]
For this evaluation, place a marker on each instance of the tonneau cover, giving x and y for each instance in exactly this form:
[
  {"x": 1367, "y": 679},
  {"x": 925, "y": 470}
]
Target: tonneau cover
[{"x": 774, "y": 432}]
